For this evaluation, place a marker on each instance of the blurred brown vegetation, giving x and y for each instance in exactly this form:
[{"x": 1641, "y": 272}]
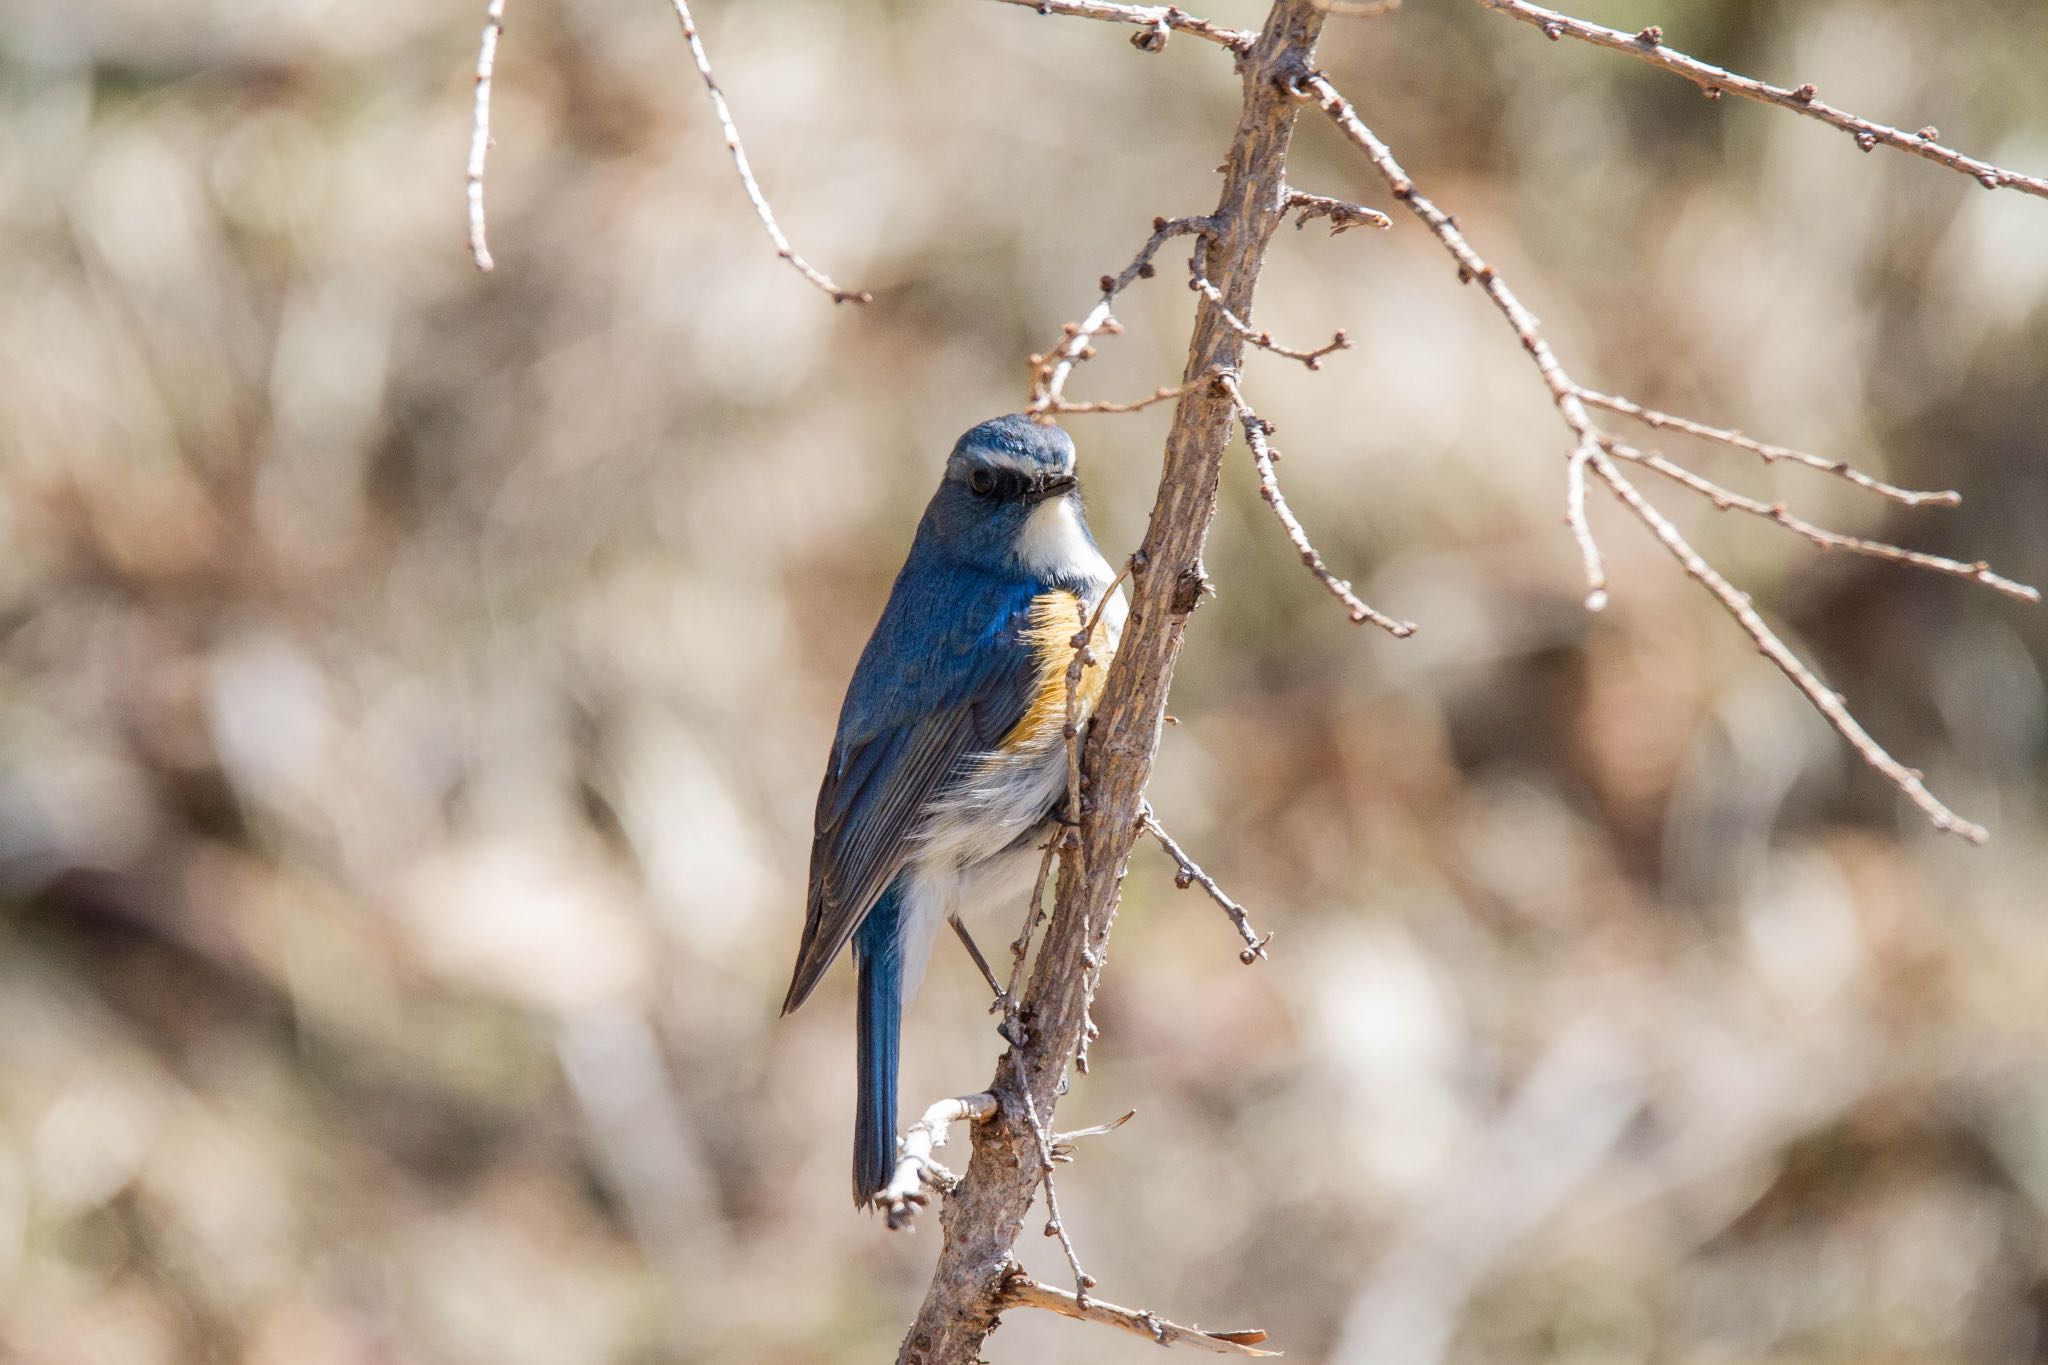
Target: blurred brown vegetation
[{"x": 414, "y": 685}]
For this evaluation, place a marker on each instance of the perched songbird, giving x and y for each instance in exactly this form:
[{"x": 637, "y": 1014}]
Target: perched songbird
[{"x": 949, "y": 766}]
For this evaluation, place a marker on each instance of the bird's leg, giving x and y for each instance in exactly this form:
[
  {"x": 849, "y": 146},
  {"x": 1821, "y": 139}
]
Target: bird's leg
[
  {"x": 1002, "y": 1002},
  {"x": 974, "y": 951}
]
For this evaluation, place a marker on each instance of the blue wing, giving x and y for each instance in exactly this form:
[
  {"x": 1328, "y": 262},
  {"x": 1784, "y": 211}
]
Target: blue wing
[{"x": 948, "y": 672}]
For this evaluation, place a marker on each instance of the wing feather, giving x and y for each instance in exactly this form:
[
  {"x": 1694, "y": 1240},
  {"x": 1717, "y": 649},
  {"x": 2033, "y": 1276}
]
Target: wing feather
[{"x": 950, "y": 666}]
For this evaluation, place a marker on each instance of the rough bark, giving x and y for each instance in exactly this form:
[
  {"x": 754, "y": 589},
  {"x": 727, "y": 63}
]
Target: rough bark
[{"x": 984, "y": 1213}]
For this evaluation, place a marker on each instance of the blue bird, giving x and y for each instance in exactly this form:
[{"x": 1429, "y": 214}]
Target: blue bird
[{"x": 949, "y": 766}]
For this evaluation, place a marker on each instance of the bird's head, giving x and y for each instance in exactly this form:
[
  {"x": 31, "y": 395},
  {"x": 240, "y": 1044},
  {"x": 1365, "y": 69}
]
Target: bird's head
[{"x": 1010, "y": 490}]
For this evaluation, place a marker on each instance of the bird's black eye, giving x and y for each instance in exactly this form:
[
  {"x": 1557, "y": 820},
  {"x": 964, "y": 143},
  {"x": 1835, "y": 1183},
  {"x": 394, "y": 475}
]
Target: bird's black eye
[{"x": 982, "y": 482}]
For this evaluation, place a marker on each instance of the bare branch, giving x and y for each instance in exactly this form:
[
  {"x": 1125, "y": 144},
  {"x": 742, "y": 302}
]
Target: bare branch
[
  {"x": 1569, "y": 399},
  {"x": 1362, "y": 9},
  {"x": 1343, "y": 216},
  {"x": 480, "y": 134},
  {"x": 1582, "y": 531},
  {"x": 1199, "y": 282},
  {"x": 1770, "y": 454},
  {"x": 1727, "y": 499},
  {"x": 1824, "y": 698},
  {"x": 746, "y": 171},
  {"x": 904, "y": 1195},
  {"x": 1158, "y": 395},
  {"x": 1063, "y": 1143},
  {"x": 1021, "y": 1291},
  {"x": 1256, "y": 430},
  {"x": 1055, "y": 1226},
  {"x": 1157, "y": 18},
  {"x": 1648, "y": 45},
  {"x": 1191, "y": 874},
  {"x": 1049, "y": 371}
]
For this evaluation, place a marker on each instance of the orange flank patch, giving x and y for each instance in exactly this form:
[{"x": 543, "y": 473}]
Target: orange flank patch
[{"x": 1056, "y": 618}]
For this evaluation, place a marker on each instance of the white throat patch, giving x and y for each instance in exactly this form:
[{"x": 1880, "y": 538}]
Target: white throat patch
[{"x": 1053, "y": 545}]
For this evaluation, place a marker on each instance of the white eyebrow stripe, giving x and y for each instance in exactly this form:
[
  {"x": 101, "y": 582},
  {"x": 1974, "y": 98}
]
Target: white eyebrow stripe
[{"x": 1030, "y": 469}]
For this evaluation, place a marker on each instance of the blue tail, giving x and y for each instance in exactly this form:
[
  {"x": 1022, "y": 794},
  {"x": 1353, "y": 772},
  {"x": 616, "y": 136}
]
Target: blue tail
[{"x": 878, "y": 948}]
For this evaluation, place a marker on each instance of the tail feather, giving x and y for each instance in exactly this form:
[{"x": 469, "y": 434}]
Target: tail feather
[{"x": 879, "y": 950}]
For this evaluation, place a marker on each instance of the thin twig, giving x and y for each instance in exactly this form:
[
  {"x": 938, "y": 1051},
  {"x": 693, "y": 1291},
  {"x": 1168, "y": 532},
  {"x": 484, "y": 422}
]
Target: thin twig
[
  {"x": 1158, "y": 395},
  {"x": 480, "y": 133},
  {"x": 1568, "y": 398},
  {"x": 1083, "y": 656},
  {"x": 1063, "y": 1143},
  {"x": 1824, "y": 698},
  {"x": 1582, "y": 531},
  {"x": 1770, "y": 454},
  {"x": 1199, "y": 282},
  {"x": 1727, "y": 499},
  {"x": 1021, "y": 1291},
  {"x": 1190, "y": 874},
  {"x": 904, "y": 1195},
  {"x": 747, "y": 181},
  {"x": 1078, "y": 661},
  {"x": 1648, "y": 45},
  {"x": 1020, "y": 947},
  {"x": 1157, "y": 18},
  {"x": 1054, "y": 1226},
  {"x": 1049, "y": 371},
  {"x": 1342, "y": 214},
  {"x": 1362, "y": 9},
  {"x": 1256, "y": 430}
]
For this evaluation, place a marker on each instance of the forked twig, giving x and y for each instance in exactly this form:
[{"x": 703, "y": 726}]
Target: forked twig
[
  {"x": 1569, "y": 398},
  {"x": 1768, "y": 453},
  {"x": 1648, "y": 45},
  {"x": 904, "y": 1195},
  {"x": 1021, "y": 1291},
  {"x": 1049, "y": 371},
  {"x": 1727, "y": 499}
]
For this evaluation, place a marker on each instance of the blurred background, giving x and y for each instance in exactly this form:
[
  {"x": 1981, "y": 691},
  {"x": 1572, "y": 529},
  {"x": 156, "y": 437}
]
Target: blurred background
[{"x": 414, "y": 686}]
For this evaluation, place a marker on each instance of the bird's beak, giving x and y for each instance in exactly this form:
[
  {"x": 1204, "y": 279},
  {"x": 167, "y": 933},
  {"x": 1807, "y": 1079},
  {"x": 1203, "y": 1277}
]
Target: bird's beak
[{"x": 1051, "y": 488}]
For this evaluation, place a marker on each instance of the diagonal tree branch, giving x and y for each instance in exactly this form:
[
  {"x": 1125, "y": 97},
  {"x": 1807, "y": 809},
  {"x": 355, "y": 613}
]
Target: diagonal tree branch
[
  {"x": 986, "y": 1211},
  {"x": 1648, "y": 45}
]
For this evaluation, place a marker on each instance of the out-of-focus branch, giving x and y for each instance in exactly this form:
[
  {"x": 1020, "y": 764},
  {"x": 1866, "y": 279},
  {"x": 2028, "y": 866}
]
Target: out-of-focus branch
[
  {"x": 480, "y": 132},
  {"x": 1590, "y": 450},
  {"x": 1157, "y": 19},
  {"x": 480, "y": 143},
  {"x": 1021, "y": 1291},
  {"x": 746, "y": 171},
  {"x": 985, "y": 1211},
  {"x": 1727, "y": 499},
  {"x": 1648, "y": 45},
  {"x": 1770, "y": 454}
]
